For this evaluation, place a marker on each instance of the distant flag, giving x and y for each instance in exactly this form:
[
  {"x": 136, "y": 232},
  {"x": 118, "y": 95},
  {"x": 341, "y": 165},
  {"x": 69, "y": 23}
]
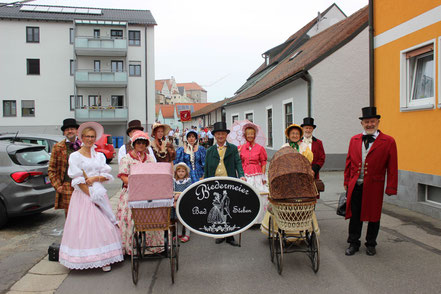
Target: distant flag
[{"x": 185, "y": 115}]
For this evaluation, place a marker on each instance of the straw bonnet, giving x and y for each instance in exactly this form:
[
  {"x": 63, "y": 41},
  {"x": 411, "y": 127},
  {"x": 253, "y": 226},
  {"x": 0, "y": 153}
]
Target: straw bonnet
[
  {"x": 296, "y": 126},
  {"x": 99, "y": 130},
  {"x": 166, "y": 127}
]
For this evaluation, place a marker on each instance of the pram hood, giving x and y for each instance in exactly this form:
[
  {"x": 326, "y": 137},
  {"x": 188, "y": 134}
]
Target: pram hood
[{"x": 290, "y": 176}]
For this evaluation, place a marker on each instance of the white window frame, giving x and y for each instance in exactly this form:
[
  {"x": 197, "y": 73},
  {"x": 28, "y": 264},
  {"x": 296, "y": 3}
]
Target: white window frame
[
  {"x": 405, "y": 88},
  {"x": 233, "y": 115},
  {"x": 245, "y": 113},
  {"x": 272, "y": 125},
  {"x": 287, "y": 101},
  {"x": 439, "y": 72},
  {"x": 426, "y": 196}
]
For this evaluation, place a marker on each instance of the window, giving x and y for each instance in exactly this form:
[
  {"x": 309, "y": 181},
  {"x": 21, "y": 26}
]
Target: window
[
  {"x": 72, "y": 67},
  {"x": 96, "y": 34},
  {"x": 76, "y": 102},
  {"x": 117, "y": 66},
  {"x": 116, "y": 34},
  {"x": 249, "y": 116},
  {"x": 96, "y": 65},
  {"x": 33, "y": 66},
  {"x": 27, "y": 107},
  {"x": 269, "y": 126},
  {"x": 94, "y": 100},
  {"x": 134, "y": 38},
  {"x": 117, "y": 101},
  {"x": 417, "y": 77},
  {"x": 429, "y": 194},
  {"x": 9, "y": 108},
  {"x": 71, "y": 35},
  {"x": 32, "y": 35},
  {"x": 135, "y": 70},
  {"x": 234, "y": 118},
  {"x": 288, "y": 114}
]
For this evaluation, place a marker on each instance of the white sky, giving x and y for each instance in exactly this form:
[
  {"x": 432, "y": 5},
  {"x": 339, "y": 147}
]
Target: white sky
[{"x": 218, "y": 44}]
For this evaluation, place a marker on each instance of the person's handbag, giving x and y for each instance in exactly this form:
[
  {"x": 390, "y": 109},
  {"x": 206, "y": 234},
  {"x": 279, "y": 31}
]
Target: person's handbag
[
  {"x": 320, "y": 185},
  {"x": 53, "y": 251},
  {"x": 341, "y": 206}
]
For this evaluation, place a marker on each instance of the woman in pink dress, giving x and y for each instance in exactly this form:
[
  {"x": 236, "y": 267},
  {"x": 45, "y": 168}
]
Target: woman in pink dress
[
  {"x": 139, "y": 155},
  {"x": 254, "y": 160},
  {"x": 90, "y": 239}
]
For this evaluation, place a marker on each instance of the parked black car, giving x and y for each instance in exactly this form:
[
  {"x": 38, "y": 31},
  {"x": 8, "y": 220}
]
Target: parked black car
[{"x": 25, "y": 187}]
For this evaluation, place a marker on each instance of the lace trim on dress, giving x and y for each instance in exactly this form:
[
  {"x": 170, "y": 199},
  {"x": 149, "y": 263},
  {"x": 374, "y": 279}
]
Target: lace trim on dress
[
  {"x": 77, "y": 181},
  {"x": 91, "y": 251},
  {"x": 95, "y": 264}
]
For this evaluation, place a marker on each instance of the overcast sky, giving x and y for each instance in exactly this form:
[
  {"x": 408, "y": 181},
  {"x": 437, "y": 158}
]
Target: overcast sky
[{"x": 218, "y": 44}]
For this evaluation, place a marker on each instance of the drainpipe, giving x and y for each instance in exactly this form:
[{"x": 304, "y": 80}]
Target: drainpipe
[
  {"x": 307, "y": 77},
  {"x": 371, "y": 54},
  {"x": 146, "y": 87}
]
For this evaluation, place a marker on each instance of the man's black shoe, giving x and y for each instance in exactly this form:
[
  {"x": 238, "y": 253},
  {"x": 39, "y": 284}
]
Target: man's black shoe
[
  {"x": 351, "y": 250},
  {"x": 370, "y": 250},
  {"x": 232, "y": 242},
  {"x": 218, "y": 241}
]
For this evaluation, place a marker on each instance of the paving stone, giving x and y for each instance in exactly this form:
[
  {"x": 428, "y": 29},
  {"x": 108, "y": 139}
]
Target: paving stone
[
  {"x": 38, "y": 283},
  {"x": 46, "y": 267}
]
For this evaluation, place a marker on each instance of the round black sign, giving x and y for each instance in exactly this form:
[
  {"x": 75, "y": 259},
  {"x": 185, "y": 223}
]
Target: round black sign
[{"x": 218, "y": 207}]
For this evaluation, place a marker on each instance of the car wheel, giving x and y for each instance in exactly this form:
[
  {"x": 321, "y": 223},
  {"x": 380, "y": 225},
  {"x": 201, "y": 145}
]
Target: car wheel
[{"x": 3, "y": 215}]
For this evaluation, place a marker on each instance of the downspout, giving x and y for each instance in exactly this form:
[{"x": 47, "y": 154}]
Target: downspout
[
  {"x": 307, "y": 77},
  {"x": 146, "y": 87},
  {"x": 371, "y": 54}
]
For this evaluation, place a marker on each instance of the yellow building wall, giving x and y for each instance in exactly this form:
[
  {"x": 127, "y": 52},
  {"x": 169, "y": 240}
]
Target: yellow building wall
[
  {"x": 390, "y": 13},
  {"x": 417, "y": 133}
]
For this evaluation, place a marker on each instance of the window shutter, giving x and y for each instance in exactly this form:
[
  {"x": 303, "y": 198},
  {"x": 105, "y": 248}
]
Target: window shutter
[{"x": 419, "y": 51}]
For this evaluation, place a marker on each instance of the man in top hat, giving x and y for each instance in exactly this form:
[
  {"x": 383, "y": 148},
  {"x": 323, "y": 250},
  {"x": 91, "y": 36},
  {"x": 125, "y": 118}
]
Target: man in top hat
[
  {"x": 371, "y": 156},
  {"x": 133, "y": 126},
  {"x": 314, "y": 144},
  {"x": 223, "y": 160},
  {"x": 59, "y": 163}
]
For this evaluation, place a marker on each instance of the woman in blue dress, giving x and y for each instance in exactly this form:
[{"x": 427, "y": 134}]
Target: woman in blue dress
[{"x": 193, "y": 155}]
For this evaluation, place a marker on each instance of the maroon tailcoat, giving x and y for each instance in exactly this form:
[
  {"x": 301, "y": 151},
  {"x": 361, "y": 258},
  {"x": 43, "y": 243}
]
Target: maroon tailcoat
[{"x": 380, "y": 160}]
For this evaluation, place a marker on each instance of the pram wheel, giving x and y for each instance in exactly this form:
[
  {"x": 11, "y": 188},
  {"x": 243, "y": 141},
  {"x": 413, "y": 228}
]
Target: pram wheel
[
  {"x": 172, "y": 254},
  {"x": 176, "y": 244},
  {"x": 279, "y": 252},
  {"x": 314, "y": 252},
  {"x": 136, "y": 255}
]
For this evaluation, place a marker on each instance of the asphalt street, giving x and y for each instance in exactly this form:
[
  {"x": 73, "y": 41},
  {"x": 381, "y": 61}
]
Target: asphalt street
[{"x": 408, "y": 258}]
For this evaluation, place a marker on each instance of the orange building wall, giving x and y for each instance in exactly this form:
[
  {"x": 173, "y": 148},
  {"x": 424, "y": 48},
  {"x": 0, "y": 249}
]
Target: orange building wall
[
  {"x": 418, "y": 133},
  {"x": 390, "y": 13}
]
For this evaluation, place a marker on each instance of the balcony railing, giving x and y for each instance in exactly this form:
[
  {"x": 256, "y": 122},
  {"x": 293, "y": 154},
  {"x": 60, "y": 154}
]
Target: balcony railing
[
  {"x": 88, "y": 46},
  {"x": 91, "y": 79},
  {"x": 101, "y": 114}
]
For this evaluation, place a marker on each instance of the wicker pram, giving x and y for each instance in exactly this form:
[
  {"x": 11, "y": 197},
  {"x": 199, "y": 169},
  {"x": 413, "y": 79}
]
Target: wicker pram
[{"x": 292, "y": 202}]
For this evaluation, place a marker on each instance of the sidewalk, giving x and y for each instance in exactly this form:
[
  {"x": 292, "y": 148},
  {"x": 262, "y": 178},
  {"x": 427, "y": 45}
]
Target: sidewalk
[{"x": 404, "y": 225}]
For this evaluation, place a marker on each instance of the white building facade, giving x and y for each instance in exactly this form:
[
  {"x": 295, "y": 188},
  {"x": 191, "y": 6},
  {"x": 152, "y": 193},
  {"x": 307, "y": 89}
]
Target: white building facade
[
  {"x": 89, "y": 64},
  {"x": 325, "y": 76}
]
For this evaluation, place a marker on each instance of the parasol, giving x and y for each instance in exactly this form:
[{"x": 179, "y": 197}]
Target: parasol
[{"x": 236, "y": 135}]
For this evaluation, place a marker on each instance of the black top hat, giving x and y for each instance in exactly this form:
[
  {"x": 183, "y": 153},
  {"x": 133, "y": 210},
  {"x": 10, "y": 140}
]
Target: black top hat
[
  {"x": 220, "y": 127},
  {"x": 369, "y": 112},
  {"x": 69, "y": 123},
  {"x": 134, "y": 125},
  {"x": 308, "y": 121}
]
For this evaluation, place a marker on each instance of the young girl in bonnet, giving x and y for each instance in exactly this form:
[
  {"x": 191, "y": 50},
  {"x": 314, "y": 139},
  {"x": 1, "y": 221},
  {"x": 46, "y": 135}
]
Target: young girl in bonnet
[{"x": 181, "y": 182}]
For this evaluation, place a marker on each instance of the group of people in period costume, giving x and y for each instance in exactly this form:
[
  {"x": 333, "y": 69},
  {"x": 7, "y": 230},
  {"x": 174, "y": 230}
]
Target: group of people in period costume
[{"x": 94, "y": 237}]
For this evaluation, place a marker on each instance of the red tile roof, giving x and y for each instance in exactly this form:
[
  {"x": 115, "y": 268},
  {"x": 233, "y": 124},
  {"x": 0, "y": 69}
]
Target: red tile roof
[
  {"x": 191, "y": 86},
  {"x": 313, "y": 51},
  {"x": 209, "y": 108},
  {"x": 167, "y": 111}
]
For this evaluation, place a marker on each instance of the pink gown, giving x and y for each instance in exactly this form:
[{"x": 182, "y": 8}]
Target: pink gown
[{"x": 89, "y": 240}]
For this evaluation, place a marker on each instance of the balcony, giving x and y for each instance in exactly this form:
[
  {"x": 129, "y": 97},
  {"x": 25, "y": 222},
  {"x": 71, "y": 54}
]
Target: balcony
[
  {"x": 88, "y": 46},
  {"x": 91, "y": 79},
  {"x": 100, "y": 114}
]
